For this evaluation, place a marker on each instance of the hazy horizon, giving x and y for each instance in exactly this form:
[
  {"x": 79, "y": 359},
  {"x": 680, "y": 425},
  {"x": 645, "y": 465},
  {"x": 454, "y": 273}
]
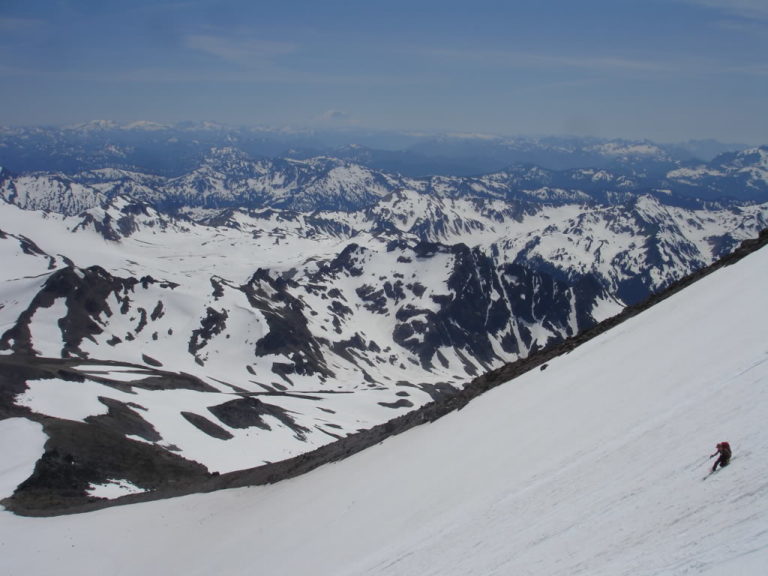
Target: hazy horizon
[
  {"x": 665, "y": 71},
  {"x": 143, "y": 123}
]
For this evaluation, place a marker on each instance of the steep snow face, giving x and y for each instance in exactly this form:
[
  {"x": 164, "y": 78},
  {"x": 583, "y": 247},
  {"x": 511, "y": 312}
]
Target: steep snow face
[
  {"x": 595, "y": 466},
  {"x": 49, "y": 193}
]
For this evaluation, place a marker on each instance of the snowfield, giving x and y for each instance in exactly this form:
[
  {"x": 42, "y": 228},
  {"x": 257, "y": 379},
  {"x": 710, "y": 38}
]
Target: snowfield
[{"x": 592, "y": 466}]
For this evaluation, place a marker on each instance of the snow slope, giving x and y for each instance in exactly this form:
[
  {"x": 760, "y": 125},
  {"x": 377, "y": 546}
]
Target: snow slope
[{"x": 591, "y": 466}]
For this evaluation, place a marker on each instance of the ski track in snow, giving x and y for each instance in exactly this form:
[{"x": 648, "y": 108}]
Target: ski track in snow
[{"x": 590, "y": 467}]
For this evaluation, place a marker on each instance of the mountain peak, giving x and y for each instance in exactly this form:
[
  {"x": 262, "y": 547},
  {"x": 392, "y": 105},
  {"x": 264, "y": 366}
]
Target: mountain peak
[{"x": 94, "y": 126}]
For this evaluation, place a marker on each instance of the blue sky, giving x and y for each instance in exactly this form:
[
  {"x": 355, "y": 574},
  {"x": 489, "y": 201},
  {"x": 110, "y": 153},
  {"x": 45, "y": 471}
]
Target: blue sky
[{"x": 665, "y": 70}]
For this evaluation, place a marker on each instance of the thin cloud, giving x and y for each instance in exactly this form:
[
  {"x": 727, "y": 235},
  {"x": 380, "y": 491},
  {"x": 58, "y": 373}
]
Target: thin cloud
[
  {"x": 256, "y": 74},
  {"x": 237, "y": 49},
  {"x": 750, "y": 9},
  {"x": 7, "y": 71},
  {"x": 685, "y": 66},
  {"x": 752, "y": 70},
  {"x": 20, "y": 24},
  {"x": 499, "y": 58}
]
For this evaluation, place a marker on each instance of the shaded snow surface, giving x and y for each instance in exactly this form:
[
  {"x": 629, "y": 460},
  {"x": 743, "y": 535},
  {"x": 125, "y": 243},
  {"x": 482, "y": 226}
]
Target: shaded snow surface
[{"x": 593, "y": 466}]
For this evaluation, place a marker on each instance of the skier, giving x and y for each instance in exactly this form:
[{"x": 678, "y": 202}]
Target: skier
[{"x": 724, "y": 449}]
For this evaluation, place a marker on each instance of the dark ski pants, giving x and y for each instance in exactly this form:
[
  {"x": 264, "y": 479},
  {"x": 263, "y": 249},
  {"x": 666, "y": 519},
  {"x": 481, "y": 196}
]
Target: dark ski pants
[{"x": 722, "y": 461}]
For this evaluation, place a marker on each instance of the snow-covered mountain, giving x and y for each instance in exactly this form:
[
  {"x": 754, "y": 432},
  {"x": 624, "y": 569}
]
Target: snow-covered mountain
[
  {"x": 592, "y": 464},
  {"x": 228, "y": 177},
  {"x": 332, "y": 328},
  {"x": 252, "y": 336},
  {"x": 250, "y": 310},
  {"x": 744, "y": 173}
]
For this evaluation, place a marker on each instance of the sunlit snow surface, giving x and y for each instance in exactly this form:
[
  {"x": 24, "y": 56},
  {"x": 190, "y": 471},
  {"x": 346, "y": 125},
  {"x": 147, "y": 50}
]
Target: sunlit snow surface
[
  {"x": 113, "y": 489},
  {"x": 21, "y": 444},
  {"x": 594, "y": 466}
]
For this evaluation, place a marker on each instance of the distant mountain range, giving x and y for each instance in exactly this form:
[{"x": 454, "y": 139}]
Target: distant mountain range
[
  {"x": 175, "y": 149},
  {"x": 229, "y": 177}
]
